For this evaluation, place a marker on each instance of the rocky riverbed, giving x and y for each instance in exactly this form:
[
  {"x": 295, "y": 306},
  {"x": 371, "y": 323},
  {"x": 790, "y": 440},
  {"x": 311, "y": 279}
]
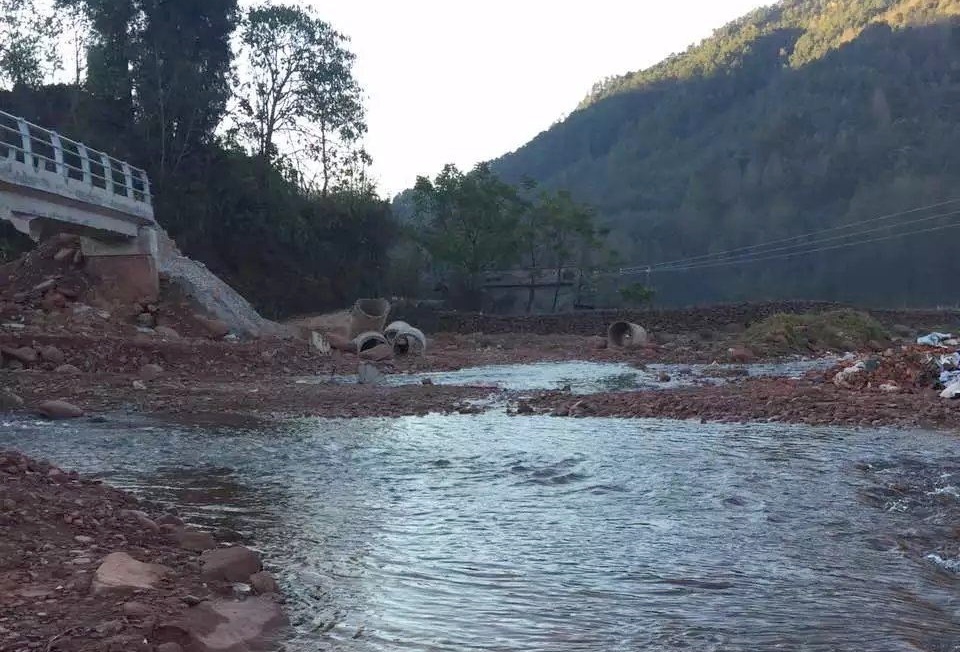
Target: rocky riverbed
[{"x": 87, "y": 568}]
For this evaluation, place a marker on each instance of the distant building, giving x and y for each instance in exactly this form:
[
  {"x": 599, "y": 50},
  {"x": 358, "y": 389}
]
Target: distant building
[{"x": 508, "y": 292}]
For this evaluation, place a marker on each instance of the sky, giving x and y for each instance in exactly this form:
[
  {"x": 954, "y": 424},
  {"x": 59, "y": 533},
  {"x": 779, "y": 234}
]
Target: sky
[{"x": 448, "y": 81}]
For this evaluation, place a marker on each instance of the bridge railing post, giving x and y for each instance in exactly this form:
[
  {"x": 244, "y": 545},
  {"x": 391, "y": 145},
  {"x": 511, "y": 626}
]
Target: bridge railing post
[
  {"x": 58, "y": 153},
  {"x": 85, "y": 164},
  {"x": 25, "y": 141},
  {"x": 128, "y": 179}
]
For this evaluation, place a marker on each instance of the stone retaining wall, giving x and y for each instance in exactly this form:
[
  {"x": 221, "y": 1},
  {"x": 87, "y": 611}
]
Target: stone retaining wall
[{"x": 595, "y": 322}]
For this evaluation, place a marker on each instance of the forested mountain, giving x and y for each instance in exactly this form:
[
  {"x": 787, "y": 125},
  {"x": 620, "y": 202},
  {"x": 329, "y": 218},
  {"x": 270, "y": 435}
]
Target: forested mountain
[{"x": 801, "y": 116}]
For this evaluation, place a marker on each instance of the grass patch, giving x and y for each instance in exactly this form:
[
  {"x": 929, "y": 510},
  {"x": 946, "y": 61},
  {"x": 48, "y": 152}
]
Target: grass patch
[{"x": 837, "y": 330}]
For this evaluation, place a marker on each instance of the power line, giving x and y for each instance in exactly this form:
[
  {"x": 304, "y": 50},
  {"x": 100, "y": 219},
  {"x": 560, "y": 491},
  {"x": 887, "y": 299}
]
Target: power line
[
  {"x": 800, "y": 253},
  {"x": 803, "y": 245},
  {"x": 692, "y": 259}
]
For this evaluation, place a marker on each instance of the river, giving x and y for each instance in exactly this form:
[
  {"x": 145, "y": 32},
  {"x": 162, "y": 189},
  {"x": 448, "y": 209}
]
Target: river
[{"x": 491, "y": 532}]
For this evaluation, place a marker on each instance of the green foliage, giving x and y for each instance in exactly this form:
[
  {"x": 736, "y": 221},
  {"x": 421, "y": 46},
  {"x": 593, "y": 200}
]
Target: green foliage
[
  {"x": 636, "y": 295},
  {"x": 473, "y": 222},
  {"x": 803, "y": 116},
  {"x": 28, "y": 44},
  {"x": 467, "y": 222},
  {"x": 838, "y": 330},
  {"x": 156, "y": 91},
  {"x": 301, "y": 87}
]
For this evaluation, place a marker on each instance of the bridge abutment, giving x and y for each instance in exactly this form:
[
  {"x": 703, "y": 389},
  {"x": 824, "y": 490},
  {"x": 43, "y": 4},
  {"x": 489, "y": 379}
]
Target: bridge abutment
[{"x": 126, "y": 270}]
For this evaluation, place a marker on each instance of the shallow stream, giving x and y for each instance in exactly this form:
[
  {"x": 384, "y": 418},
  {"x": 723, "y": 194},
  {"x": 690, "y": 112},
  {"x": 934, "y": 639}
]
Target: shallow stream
[{"x": 490, "y": 532}]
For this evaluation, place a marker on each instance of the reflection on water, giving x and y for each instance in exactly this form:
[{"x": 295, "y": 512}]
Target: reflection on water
[{"x": 494, "y": 533}]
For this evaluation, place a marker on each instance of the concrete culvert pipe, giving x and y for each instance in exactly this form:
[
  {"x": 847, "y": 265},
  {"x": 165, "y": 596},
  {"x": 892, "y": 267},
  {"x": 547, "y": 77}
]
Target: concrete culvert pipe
[
  {"x": 391, "y": 331},
  {"x": 624, "y": 335},
  {"x": 409, "y": 340},
  {"x": 368, "y": 315},
  {"x": 365, "y": 341}
]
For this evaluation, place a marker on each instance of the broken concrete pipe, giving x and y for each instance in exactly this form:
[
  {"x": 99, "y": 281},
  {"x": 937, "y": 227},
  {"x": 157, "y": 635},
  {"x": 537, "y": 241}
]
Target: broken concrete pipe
[
  {"x": 625, "y": 335},
  {"x": 405, "y": 338},
  {"x": 368, "y": 315},
  {"x": 369, "y": 340}
]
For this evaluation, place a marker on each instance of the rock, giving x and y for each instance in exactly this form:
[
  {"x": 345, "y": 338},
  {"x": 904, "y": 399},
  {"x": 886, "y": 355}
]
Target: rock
[
  {"x": 24, "y": 354},
  {"x": 169, "y": 647},
  {"x": 379, "y": 353},
  {"x": 167, "y": 333},
  {"x": 66, "y": 369},
  {"x": 59, "y": 410},
  {"x": 263, "y": 583},
  {"x": 215, "y": 328},
  {"x": 194, "y": 540},
  {"x": 77, "y": 257},
  {"x": 232, "y": 626},
  {"x": 597, "y": 343},
  {"x": 121, "y": 572},
  {"x": 890, "y": 388},
  {"x": 340, "y": 343},
  {"x": 524, "y": 408},
  {"x": 14, "y": 365},
  {"x": 8, "y": 505},
  {"x": 664, "y": 377},
  {"x": 53, "y": 301},
  {"x": 51, "y": 354},
  {"x": 235, "y": 564},
  {"x": 170, "y": 519},
  {"x": 426, "y": 381},
  {"x": 42, "y": 287},
  {"x": 136, "y": 609},
  {"x": 368, "y": 374},
  {"x": 146, "y": 320},
  {"x": 141, "y": 519},
  {"x": 740, "y": 355},
  {"x": 150, "y": 372},
  {"x": 64, "y": 255},
  {"x": 83, "y": 539},
  {"x": 9, "y": 401},
  {"x": 139, "y": 385}
]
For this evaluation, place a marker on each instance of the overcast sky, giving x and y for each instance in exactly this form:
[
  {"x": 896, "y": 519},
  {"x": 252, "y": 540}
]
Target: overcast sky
[{"x": 462, "y": 82}]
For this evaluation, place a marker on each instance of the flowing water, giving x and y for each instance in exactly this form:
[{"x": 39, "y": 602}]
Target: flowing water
[
  {"x": 592, "y": 377},
  {"x": 489, "y": 532}
]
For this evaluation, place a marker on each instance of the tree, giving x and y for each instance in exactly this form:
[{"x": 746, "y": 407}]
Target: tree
[
  {"x": 180, "y": 74},
  {"x": 468, "y": 223},
  {"x": 301, "y": 86},
  {"x": 568, "y": 230},
  {"x": 28, "y": 50},
  {"x": 637, "y": 294}
]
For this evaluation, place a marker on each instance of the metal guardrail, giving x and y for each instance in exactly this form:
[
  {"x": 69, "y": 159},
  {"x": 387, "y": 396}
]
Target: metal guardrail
[{"x": 49, "y": 153}]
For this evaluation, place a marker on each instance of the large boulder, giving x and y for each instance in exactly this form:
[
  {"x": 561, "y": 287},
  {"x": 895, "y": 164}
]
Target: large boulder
[
  {"x": 59, "y": 410},
  {"x": 194, "y": 540},
  {"x": 121, "y": 572},
  {"x": 252, "y": 625},
  {"x": 23, "y": 354},
  {"x": 9, "y": 401},
  {"x": 234, "y": 564},
  {"x": 52, "y": 354},
  {"x": 150, "y": 372}
]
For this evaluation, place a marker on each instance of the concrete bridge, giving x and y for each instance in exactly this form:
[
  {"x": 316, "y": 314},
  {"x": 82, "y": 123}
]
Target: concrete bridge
[{"x": 50, "y": 184}]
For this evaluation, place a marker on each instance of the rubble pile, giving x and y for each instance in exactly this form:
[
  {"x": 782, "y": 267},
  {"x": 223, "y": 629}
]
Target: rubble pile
[{"x": 907, "y": 369}]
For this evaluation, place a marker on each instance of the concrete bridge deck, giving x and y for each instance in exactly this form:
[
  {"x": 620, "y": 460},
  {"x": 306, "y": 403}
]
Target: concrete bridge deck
[{"x": 51, "y": 184}]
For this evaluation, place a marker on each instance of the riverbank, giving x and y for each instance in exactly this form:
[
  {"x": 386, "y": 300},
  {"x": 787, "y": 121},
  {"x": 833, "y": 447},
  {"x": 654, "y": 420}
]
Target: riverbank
[{"x": 84, "y": 568}]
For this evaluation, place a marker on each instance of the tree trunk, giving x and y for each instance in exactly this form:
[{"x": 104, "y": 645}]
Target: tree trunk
[
  {"x": 556, "y": 291},
  {"x": 530, "y": 295}
]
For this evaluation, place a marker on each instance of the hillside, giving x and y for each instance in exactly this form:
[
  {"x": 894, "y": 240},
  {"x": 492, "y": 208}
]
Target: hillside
[{"x": 801, "y": 116}]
